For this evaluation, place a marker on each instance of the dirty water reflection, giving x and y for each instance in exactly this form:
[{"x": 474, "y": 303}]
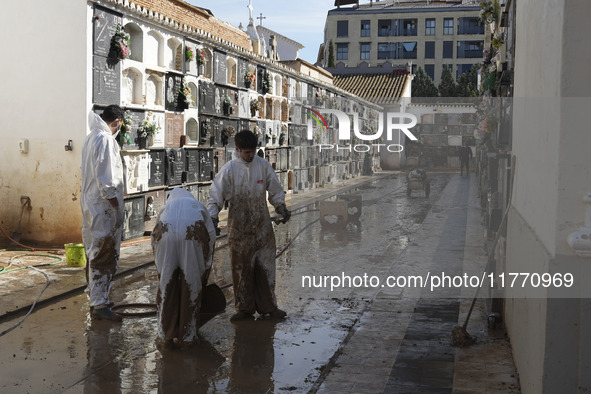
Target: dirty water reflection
[{"x": 49, "y": 353}]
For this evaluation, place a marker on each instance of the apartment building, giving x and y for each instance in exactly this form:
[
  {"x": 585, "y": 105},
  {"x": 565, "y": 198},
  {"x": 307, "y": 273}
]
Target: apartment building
[{"x": 428, "y": 34}]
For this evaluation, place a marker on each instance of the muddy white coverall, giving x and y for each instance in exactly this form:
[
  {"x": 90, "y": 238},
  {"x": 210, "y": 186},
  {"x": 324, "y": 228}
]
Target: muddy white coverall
[
  {"x": 102, "y": 180},
  {"x": 250, "y": 232},
  {"x": 183, "y": 241}
]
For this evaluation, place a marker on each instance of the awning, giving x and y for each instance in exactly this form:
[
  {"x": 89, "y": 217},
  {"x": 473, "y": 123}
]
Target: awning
[{"x": 409, "y": 46}]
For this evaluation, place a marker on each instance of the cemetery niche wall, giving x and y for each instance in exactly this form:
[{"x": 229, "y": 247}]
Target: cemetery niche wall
[{"x": 195, "y": 93}]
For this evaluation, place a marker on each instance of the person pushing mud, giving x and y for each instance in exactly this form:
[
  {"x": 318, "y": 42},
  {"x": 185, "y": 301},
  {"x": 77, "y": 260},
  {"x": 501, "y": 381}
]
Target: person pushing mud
[
  {"x": 183, "y": 240},
  {"x": 244, "y": 183}
]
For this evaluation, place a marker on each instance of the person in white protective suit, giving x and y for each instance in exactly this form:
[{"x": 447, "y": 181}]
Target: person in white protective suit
[
  {"x": 183, "y": 240},
  {"x": 244, "y": 183},
  {"x": 101, "y": 201}
]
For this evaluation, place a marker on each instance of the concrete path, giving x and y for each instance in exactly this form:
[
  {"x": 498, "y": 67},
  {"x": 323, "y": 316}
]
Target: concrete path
[{"x": 402, "y": 342}]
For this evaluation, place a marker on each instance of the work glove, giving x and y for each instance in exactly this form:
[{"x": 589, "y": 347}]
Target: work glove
[
  {"x": 283, "y": 211},
  {"x": 216, "y": 222}
]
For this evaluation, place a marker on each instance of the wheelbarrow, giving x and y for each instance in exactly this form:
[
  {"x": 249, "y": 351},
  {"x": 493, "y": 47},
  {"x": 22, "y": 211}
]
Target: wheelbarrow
[{"x": 417, "y": 180}]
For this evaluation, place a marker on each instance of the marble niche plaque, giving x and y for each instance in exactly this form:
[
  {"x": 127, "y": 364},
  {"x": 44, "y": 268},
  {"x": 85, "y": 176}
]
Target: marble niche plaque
[
  {"x": 243, "y": 104},
  {"x": 172, "y": 90},
  {"x": 106, "y": 81},
  {"x": 207, "y": 97},
  {"x": 242, "y": 69},
  {"x": 220, "y": 67},
  {"x": 104, "y": 26},
  {"x": 174, "y": 130}
]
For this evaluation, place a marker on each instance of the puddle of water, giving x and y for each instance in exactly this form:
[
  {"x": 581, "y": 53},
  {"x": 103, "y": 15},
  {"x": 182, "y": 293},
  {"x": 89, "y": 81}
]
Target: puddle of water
[{"x": 58, "y": 349}]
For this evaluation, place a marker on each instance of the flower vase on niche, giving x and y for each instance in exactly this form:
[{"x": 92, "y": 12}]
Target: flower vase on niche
[
  {"x": 254, "y": 107},
  {"x": 227, "y": 106},
  {"x": 142, "y": 142},
  {"x": 201, "y": 60},
  {"x": 249, "y": 78},
  {"x": 147, "y": 129}
]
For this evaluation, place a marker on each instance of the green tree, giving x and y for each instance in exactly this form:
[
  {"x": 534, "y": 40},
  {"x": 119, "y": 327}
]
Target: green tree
[
  {"x": 331, "y": 58},
  {"x": 423, "y": 85},
  {"x": 468, "y": 82},
  {"x": 447, "y": 86}
]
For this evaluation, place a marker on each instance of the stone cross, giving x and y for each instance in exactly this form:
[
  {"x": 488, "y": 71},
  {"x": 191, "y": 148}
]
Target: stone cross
[
  {"x": 249, "y": 6},
  {"x": 260, "y": 18}
]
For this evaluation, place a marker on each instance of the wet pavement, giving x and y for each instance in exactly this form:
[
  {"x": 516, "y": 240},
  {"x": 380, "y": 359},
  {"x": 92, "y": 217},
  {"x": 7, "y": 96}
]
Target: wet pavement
[{"x": 363, "y": 337}]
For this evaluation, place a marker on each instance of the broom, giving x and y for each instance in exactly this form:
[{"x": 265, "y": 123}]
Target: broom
[{"x": 459, "y": 335}]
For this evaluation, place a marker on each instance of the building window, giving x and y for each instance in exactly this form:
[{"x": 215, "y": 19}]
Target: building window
[
  {"x": 448, "y": 26},
  {"x": 410, "y": 27},
  {"x": 342, "y": 28},
  {"x": 462, "y": 68},
  {"x": 430, "y": 71},
  {"x": 397, "y": 27},
  {"x": 387, "y": 50},
  {"x": 365, "y": 28},
  {"x": 429, "y": 27},
  {"x": 470, "y": 25},
  {"x": 470, "y": 49},
  {"x": 409, "y": 50},
  {"x": 448, "y": 49},
  {"x": 384, "y": 27},
  {"x": 342, "y": 51},
  {"x": 430, "y": 50},
  {"x": 364, "y": 52}
]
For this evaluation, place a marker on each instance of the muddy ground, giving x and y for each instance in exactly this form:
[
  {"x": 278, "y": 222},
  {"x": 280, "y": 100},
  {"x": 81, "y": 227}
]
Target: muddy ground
[{"x": 59, "y": 349}]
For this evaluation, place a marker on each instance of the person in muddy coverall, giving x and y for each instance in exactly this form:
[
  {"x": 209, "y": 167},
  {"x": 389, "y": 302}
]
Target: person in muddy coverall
[
  {"x": 101, "y": 201},
  {"x": 183, "y": 240},
  {"x": 244, "y": 183}
]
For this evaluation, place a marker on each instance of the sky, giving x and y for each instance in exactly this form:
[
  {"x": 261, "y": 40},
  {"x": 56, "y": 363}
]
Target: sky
[{"x": 300, "y": 20}]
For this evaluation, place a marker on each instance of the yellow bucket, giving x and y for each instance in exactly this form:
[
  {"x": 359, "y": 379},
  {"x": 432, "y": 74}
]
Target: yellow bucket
[{"x": 75, "y": 256}]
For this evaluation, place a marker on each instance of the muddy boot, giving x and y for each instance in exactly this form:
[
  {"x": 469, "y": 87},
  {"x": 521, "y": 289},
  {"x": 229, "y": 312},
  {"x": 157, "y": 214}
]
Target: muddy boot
[
  {"x": 164, "y": 344},
  {"x": 241, "y": 316},
  {"x": 278, "y": 314},
  {"x": 105, "y": 313}
]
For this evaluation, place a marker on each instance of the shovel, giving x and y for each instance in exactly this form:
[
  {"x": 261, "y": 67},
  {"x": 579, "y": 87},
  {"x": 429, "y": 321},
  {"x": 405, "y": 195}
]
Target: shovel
[{"x": 16, "y": 236}]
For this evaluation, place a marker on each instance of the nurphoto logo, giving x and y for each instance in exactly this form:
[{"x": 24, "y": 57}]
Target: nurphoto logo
[{"x": 394, "y": 121}]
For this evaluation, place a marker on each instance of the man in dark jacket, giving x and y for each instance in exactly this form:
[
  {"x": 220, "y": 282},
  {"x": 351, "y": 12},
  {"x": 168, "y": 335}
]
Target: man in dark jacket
[{"x": 465, "y": 156}]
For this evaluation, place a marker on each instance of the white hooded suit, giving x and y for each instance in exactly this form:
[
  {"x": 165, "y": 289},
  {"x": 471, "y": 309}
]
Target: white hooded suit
[
  {"x": 183, "y": 241},
  {"x": 102, "y": 180},
  {"x": 252, "y": 241}
]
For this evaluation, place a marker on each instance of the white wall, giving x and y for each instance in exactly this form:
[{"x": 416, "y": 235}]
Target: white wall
[
  {"x": 536, "y": 120},
  {"x": 551, "y": 140},
  {"x": 43, "y": 98}
]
